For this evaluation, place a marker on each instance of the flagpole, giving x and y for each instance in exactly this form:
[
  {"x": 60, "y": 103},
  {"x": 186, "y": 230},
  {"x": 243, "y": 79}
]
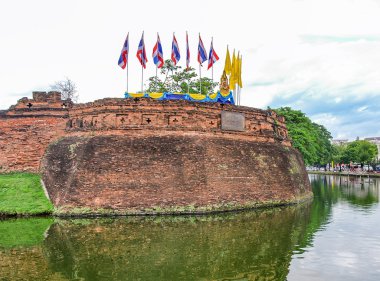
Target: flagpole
[
  {"x": 188, "y": 80},
  {"x": 212, "y": 67},
  {"x": 156, "y": 78},
  {"x": 212, "y": 78},
  {"x": 127, "y": 78},
  {"x": 200, "y": 79},
  {"x": 187, "y": 68},
  {"x": 237, "y": 95},
  {"x": 156, "y": 64},
  {"x": 200, "y": 71},
  {"x": 142, "y": 68},
  {"x": 238, "y": 85},
  {"x": 127, "y": 63},
  {"x": 212, "y": 72}
]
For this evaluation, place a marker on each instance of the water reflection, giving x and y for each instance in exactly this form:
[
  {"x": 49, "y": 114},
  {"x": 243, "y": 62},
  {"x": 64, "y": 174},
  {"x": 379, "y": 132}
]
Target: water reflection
[
  {"x": 208, "y": 248},
  {"x": 254, "y": 245},
  {"x": 360, "y": 192},
  {"x": 347, "y": 246}
]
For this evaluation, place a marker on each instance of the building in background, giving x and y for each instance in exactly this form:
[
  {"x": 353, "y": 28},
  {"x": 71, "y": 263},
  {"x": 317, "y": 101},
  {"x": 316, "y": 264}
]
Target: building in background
[
  {"x": 339, "y": 142},
  {"x": 375, "y": 140}
]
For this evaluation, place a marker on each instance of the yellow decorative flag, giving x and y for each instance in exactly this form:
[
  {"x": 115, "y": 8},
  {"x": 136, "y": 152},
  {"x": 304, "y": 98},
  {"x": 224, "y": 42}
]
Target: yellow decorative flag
[
  {"x": 236, "y": 69},
  {"x": 227, "y": 64},
  {"x": 233, "y": 78},
  {"x": 240, "y": 81}
]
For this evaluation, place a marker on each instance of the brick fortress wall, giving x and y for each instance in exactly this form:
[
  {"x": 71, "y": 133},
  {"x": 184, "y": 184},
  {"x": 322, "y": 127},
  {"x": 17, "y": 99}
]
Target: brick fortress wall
[
  {"x": 117, "y": 116},
  {"x": 28, "y": 127},
  {"x": 149, "y": 156}
]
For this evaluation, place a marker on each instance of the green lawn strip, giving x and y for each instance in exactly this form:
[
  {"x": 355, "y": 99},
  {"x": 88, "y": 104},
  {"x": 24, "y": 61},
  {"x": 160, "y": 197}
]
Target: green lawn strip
[
  {"x": 23, "y": 232},
  {"x": 22, "y": 194}
]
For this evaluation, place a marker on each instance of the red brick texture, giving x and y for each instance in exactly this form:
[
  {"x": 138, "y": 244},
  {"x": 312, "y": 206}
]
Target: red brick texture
[
  {"x": 135, "y": 173},
  {"x": 27, "y": 128},
  {"x": 143, "y": 155}
]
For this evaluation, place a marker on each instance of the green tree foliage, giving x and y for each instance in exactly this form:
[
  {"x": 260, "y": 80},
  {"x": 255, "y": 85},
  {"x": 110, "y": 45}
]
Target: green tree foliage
[
  {"x": 337, "y": 154},
  {"x": 360, "y": 151},
  {"x": 311, "y": 139},
  {"x": 178, "y": 80}
]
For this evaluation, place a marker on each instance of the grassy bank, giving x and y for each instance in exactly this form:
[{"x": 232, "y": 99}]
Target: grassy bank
[{"x": 22, "y": 194}]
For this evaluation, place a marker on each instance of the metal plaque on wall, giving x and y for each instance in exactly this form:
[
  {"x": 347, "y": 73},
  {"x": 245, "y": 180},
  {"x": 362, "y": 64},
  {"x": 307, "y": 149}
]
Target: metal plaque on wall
[{"x": 233, "y": 121}]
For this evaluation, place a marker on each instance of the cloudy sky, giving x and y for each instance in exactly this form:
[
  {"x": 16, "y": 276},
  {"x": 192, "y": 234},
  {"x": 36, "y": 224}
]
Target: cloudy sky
[{"x": 318, "y": 56}]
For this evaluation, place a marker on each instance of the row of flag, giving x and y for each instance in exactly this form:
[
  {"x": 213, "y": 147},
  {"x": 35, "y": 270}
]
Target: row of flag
[
  {"x": 158, "y": 57},
  {"x": 233, "y": 69}
]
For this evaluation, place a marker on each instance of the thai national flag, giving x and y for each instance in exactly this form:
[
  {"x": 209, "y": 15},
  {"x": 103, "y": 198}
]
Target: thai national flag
[
  {"x": 141, "y": 54},
  {"x": 202, "y": 55},
  {"x": 187, "y": 53},
  {"x": 175, "y": 51},
  {"x": 123, "y": 59},
  {"x": 158, "y": 57},
  {"x": 212, "y": 57}
]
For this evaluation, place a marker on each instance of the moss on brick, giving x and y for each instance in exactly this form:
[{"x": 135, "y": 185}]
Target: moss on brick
[{"x": 68, "y": 211}]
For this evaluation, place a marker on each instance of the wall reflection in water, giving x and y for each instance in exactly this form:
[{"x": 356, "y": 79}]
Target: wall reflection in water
[{"x": 252, "y": 245}]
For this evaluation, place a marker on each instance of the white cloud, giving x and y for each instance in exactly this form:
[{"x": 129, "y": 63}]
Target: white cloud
[
  {"x": 362, "y": 108},
  {"x": 323, "y": 49}
]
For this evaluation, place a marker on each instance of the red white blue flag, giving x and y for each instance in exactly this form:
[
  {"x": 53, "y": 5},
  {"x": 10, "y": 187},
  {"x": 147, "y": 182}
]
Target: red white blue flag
[
  {"x": 202, "y": 54},
  {"x": 212, "y": 57},
  {"x": 158, "y": 57},
  {"x": 187, "y": 53},
  {"x": 123, "y": 59},
  {"x": 141, "y": 54},
  {"x": 175, "y": 51}
]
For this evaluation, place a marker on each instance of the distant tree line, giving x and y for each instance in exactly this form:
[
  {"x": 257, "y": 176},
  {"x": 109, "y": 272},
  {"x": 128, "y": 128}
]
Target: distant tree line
[
  {"x": 314, "y": 142},
  {"x": 311, "y": 139},
  {"x": 359, "y": 151}
]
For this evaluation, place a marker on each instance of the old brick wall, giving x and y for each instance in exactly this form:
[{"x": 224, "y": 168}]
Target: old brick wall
[
  {"x": 143, "y": 155},
  {"x": 148, "y": 173},
  {"x": 176, "y": 115},
  {"x": 23, "y": 141},
  {"x": 27, "y": 128}
]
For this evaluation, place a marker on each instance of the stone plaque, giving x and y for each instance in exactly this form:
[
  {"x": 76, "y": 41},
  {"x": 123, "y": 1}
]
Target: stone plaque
[{"x": 233, "y": 121}]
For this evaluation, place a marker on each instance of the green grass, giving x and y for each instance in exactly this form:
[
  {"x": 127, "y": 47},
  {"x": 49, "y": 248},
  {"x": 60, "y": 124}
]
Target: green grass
[
  {"x": 22, "y": 194},
  {"x": 23, "y": 232}
]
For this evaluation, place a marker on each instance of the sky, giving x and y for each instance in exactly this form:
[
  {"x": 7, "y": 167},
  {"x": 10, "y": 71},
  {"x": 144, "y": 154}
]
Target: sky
[{"x": 318, "y": 56}]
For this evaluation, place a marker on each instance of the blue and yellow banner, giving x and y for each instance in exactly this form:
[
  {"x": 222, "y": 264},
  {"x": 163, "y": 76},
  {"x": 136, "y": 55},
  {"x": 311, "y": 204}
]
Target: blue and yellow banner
[{"x": 214, "y": 97}]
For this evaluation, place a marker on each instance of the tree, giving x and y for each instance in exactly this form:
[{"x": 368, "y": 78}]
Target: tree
[
  {"x": 360, "y": 151},
  {"x": 177, "y": 80},
  {"x": 67, "y": 88},
  {"x": 337, "y": 153},
  {"x": 311, "y": 139}
]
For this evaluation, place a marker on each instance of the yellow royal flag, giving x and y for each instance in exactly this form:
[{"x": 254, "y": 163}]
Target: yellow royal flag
[
  {"x": 240, "y": 81},
  {"x": 227, "y": 64},
  {"x": 236, "y": 69},
  {"x": 233, "y": 78}
]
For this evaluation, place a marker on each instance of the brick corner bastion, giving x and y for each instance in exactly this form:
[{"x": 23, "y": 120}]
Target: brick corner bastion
[{"x": 144, "y": 156}]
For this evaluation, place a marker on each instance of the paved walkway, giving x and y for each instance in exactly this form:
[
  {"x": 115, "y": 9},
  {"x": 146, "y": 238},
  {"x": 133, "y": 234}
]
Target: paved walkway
[{"x": 346, "y": 173}]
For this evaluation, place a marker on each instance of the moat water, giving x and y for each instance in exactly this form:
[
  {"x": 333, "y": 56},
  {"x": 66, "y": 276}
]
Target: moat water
[{"x": 334, "y": 237}]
